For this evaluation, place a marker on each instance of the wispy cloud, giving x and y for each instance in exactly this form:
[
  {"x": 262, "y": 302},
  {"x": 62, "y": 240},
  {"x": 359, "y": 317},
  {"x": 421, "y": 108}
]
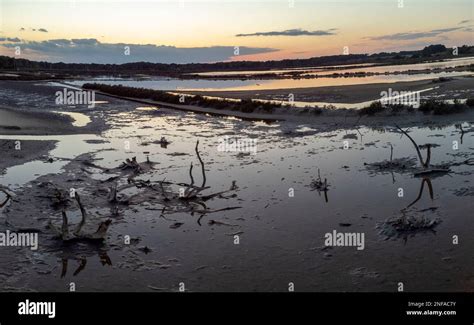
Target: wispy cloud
[
  {"x": 90, "y": 50},
  {"x": 462, "y": 22},
  {"x": 414, "y": 35},
  {"x": 292, "y": 32},
  {"x": 41, "y": 30}
]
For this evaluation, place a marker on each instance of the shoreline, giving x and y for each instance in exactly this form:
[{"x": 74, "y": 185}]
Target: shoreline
[
  {"x": 351, "y": 94},
  {"x": 23, "y": 121},
  {"x": 21, "y": 152},
  {"x": 313, "y": 115}
]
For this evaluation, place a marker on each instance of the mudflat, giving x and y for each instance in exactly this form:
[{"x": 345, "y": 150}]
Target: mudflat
[{"x": 33, "y": 123}]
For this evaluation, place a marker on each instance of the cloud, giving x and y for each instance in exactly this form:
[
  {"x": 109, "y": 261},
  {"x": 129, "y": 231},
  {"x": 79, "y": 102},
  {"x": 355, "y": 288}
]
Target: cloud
[
  {"x": 10, "y": 39},
  {"x": 292, "y": 32},
  {"x": 42, "y": 30},
  {"x": 414, "y": 35},
  {"x": 462, "y": 22},
  {"x": 90, "y": 50}
]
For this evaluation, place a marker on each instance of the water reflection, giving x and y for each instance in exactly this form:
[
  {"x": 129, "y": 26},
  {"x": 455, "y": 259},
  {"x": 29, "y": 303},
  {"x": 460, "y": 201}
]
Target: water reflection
[
  {"x": 270, "y": 84},
  {"x": 413, "y": 221},
  {"x": 424, "y": 180},
  {"x": 82, "y": 262}
]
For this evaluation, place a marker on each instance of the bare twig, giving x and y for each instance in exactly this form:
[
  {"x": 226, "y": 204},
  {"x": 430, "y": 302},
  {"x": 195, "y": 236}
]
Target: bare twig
[
  {"x": 202, "y": 165},
  {"x": 191, "y": 174},
  {"x": 83, "y": 214},
  {"x": 416, "y": 146}
]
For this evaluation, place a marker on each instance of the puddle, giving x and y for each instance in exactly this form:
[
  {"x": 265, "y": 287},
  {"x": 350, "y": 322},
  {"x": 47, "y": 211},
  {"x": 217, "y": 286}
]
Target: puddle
[{"x": 79, "y": 119}]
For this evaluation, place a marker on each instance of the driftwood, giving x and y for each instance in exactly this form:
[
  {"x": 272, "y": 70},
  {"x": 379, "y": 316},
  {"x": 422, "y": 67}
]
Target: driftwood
[
  {"x": 7, "y": 198},
  {"x": 463, "y": 131},
  {"x": 191, "y": 191},
  {"x": 320, "y": 186},
  {"x": 163, "y": 142},
  {"x": 425, "y": 164},
  {"x": 190, "y": 199},
  {"x": 77, "y": 234}
]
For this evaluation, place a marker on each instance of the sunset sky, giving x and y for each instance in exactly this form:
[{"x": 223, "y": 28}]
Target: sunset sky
[{"x": 207, "y": 31}]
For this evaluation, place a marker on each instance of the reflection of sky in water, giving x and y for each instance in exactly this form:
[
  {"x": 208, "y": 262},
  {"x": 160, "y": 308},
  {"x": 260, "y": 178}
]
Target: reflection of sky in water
[
  {"x": 79, "y": 119},
  {"x": 278, "y": 231},
  {"x": 332, "y": 69},
  {"x": 68, "y": 146},
  {"x": 176, "y": 84}
]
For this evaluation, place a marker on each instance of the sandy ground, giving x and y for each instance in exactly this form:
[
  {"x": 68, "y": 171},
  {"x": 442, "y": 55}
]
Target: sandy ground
[{"x": 351, "y": 93}]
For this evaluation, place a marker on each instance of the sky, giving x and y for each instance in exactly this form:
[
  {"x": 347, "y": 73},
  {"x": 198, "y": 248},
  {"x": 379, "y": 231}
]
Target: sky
[{"x": 183, "y": 31}]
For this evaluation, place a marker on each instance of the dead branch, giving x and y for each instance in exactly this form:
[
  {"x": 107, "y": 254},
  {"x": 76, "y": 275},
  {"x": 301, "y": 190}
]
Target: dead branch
[
  {"x": 416, "y": 146},
  {"x": 191, "y": 174},
  {"x": 163, "y": 191},
  {"x": 430, "y": 188},
  {"x": 203, "y": 212},
  {"x": 77, "y": 234},
  {"x": 8, "y": 197},
  {"x": 83, "y": 214},
  {"x": 320, "y": 186},
  {"x": 112, "y": 198},
  {"x": 65, "y": 227},
  {"x": 202, "y": 165}
]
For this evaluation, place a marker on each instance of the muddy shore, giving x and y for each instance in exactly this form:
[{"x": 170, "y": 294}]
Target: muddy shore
[
  {"x": 16, "y": 152},
  {"x": 173, "y": 245}
]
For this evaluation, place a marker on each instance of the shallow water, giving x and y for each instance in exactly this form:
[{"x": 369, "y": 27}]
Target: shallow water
[
  {"x": 364, "y": 67},
  {"x": 230, "y": 85},
  {"x": 79, "y": 119},
  {"x": 281, "y": 234},
  {"x": 227, "y": 85}
]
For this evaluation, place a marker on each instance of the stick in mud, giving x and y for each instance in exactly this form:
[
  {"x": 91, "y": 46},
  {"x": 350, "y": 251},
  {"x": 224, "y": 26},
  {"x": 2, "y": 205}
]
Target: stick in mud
[
  {"x": 8, "y": 197},
  {"x": 423, "y": 164}
]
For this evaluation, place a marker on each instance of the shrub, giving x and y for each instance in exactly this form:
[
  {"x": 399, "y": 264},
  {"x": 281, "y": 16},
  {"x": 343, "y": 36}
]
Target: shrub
[
  {"x": 470, "y": 102},
  {"x": 440, "y": 108},
  {"x": 372, "y": 109},
  {"x": 244, "y": 105}
]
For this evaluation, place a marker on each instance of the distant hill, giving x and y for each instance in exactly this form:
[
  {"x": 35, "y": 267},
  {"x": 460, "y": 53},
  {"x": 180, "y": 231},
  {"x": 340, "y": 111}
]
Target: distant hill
[{"x": 430, "y": 52}]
